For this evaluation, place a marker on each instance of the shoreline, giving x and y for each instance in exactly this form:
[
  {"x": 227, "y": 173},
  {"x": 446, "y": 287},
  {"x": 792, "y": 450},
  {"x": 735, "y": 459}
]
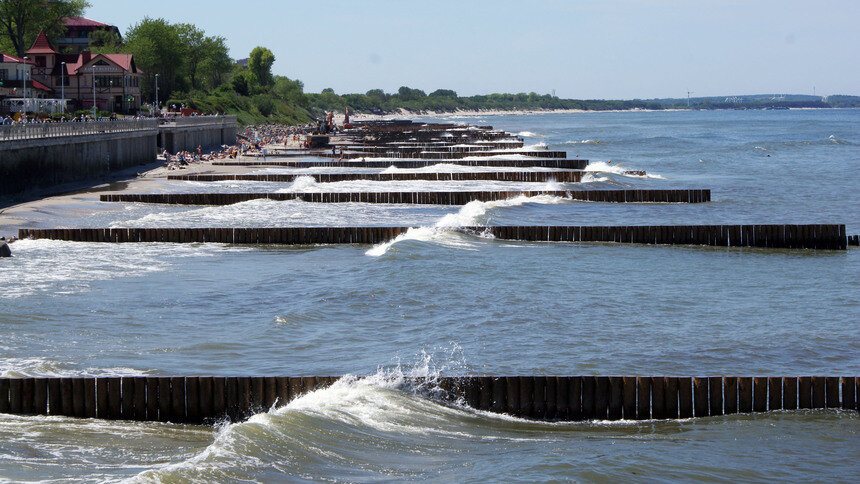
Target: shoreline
[{"x": 405, "y": 113}]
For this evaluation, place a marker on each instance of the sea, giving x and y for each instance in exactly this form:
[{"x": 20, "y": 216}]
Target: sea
[{"x": 439, "y": 302}]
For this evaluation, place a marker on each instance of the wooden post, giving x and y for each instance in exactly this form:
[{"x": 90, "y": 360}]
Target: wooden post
[
  {"x": 499, "y": 391},
  {"x": 4, "y": 395},
  {"x": 589, "y": 384},
  {"x": 192, "y": 400},
  {"x": 774, "y": 393},
  {"x": 658, "y": 397},
  {"x": 15, "y": 400},
  {"x": 715, "y": 395},
  {"x": 849, "y": 399},
  {"x": 114, "y": 397},
  {"x": 539, "y": 408},
  {"x": 574, "y": 398},
  {"x": 818, "y": 393},
  {"x": 831, "y": 393},
  {"x": 177, "y": 399},
  {"x": 616, "y": 398},
  {"x": 127, "y": 398},
  {"x": 512, "y": 398},
  {"x": 643, "y": 398},
  {"x": 804, "y": 392},
  {"x": 671, "y": 398},
  {"x": 789, "y": 393},
  {"x": 40, "y": 397},
  {"x": 760, "y": 393},
  {"x": 701, "y": 404},
  {"x": 219, "y": 398},
  {"x": 151, "y": 399},
  {"x": 730, "y": 394},
  {"x": 629, "y": 397},
  {"x": 164, "y": 407}
]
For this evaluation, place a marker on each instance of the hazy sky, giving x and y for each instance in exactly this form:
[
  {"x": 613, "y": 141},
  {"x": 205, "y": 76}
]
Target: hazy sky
[{"x": 580, "y": 48}]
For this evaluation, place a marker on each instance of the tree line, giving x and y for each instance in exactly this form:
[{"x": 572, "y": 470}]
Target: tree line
[{"x": 195, "y": 69}]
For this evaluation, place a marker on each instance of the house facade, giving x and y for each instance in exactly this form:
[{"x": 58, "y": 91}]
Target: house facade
[
  {"x": 16, "y": 79},
  {"x": 110, "y": 81}
]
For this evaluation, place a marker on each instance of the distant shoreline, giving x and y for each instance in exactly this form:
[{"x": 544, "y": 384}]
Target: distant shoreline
[{"x": 401, "y": 113}]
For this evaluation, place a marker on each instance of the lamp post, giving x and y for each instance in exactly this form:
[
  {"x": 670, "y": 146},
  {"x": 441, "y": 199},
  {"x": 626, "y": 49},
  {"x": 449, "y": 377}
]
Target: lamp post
[
  {"x": 156, "y": 96},
  {"x": 110, "y": 92},
  {"x": 63, "y": 85},
  {"x": 25, "y": 86},
  {"x": 94, "y": 92}
]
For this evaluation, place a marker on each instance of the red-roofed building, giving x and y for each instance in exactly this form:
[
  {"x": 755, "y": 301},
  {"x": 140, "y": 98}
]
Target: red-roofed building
[
  {"x": 16, "y": 77},
  {"x": 116, "y": 77},
  {"x": 78, "y": 34}
]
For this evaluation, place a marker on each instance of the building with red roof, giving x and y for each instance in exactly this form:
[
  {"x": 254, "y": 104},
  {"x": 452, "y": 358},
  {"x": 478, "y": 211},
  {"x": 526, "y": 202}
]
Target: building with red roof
[
  {"x": 115, "y": 77},
  {"x": 78, "y": 34},
  {"x": 16, "y": 79}
]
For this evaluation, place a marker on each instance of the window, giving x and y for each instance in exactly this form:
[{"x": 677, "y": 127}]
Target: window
[
  {"x": 105, "y": 81},
  {"x": 40, "y": 60},
  {"x": 4, "y": 74},
  {"x": 61, "y": 81}
]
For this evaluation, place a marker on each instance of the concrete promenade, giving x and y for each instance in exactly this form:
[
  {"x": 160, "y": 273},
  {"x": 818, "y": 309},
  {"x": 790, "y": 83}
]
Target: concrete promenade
[{"x": 40, "y": 156}]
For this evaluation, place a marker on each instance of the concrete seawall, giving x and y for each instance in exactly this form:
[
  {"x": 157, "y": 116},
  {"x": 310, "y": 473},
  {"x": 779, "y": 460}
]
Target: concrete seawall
[
  {"x": 186, "y": 134},
  {"x": 45, "y": 162},
  {"x": 42, "y": 156}
]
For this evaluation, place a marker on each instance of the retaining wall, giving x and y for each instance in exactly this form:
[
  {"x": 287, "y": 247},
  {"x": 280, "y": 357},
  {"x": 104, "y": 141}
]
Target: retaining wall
[{"x": 44, "y": 162}]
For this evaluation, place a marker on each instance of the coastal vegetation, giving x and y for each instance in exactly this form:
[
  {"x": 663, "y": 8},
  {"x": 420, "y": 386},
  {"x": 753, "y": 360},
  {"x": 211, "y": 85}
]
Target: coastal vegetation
[{"x": 195, "y": 70}]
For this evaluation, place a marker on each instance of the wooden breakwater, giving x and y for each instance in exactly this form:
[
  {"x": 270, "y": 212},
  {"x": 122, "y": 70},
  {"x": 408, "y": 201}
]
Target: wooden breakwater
[
  {"x": 565, "y": 164},
  {"x": 421, "y": 198},
  {"x": 823, "y": 237},
  {"x": 207, "y": 399},
  {"x": 566, "y": 176}
]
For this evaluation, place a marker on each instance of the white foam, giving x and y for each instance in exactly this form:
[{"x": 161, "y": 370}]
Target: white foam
[
  {"x": 529, "y": 134},
  {"x": 583, "y": 142},
  {"x": 471, "y": 214},
  {"x": 62, "y": 267},
  {"x": 615, "y": 169}
]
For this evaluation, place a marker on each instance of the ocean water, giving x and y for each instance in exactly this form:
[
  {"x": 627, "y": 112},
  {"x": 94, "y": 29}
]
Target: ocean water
[{"x": 439, "y": 302}]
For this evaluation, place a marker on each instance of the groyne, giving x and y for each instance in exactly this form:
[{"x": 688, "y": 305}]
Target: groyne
[
  {"x": 823, "y": 237},
  {"x": 566, "y": 176},
  {"x": 421, "y": 198},
  {"x": 566, "y": 164},
  {"x": 209, "y": 399}
]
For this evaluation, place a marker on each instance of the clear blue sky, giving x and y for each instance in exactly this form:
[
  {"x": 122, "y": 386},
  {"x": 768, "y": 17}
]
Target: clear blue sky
[{"x": 580, "y": 48}]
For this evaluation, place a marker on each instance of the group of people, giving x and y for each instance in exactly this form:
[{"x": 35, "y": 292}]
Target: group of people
[{"x": 183, "y": 158}]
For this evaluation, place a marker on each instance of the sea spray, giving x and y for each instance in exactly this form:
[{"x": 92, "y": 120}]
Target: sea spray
[{"x": 471, "y": 214}]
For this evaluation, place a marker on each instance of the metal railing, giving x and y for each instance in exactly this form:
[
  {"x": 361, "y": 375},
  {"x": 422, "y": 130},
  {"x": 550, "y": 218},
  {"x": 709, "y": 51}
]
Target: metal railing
[
  {"x": 199, "y": 121},
  {"x": 56, "y": 130}
]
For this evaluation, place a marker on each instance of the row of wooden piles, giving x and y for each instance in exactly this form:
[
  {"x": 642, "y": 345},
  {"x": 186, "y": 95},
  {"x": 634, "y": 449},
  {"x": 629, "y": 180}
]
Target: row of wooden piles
[{"x": 207, "y": 399}]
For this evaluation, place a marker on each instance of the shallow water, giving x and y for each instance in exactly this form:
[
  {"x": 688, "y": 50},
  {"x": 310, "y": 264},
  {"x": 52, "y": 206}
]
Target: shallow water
[{"x": 437, "y": 301}]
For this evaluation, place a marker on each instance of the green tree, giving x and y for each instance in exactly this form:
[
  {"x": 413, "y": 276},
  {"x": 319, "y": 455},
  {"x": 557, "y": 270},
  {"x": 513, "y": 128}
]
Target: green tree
[
  {"x": 21, "y": 20},
  {"x": 260, "y": 65},
  {"x": 216, "y": 62},
  {"x": 158, "y": 48},
  {"x": 105, "y": 42}
]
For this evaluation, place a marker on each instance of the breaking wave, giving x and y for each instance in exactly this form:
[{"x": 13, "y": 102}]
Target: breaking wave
[
  {"x": 594, "y": 167},
  {"x": 473, "y": 213}
]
